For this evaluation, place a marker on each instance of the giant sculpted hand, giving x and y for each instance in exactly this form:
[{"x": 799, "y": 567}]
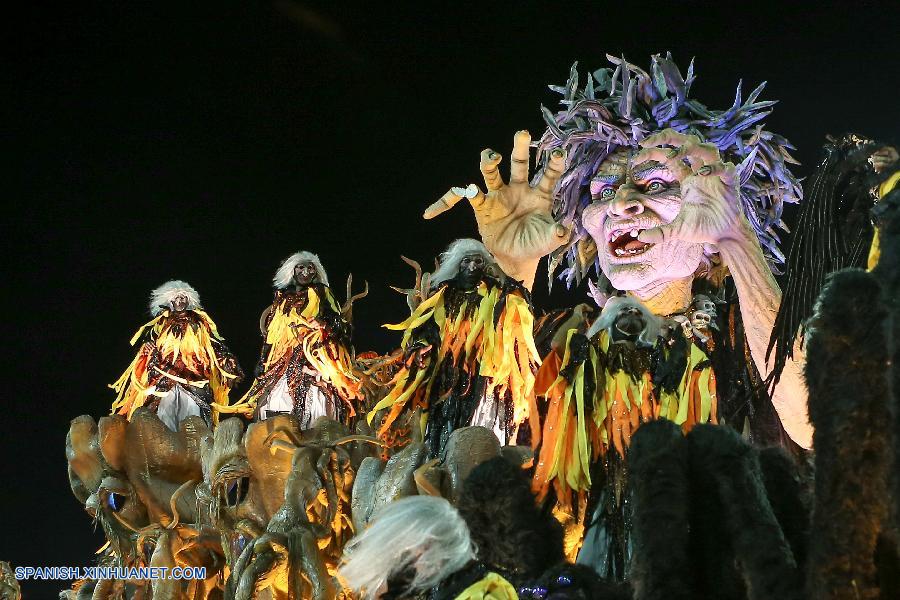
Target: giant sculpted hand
[
  {"x": 710, "y": 209},
  {"x": 711, "y": 214},
  {"x": 514, "y": 219}
]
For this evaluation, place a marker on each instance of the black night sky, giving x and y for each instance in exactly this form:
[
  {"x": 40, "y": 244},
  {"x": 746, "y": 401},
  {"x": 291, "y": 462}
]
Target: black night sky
[{"x": 207, "y": 141}]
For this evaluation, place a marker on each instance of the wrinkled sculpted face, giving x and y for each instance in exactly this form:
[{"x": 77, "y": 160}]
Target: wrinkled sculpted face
[{"x": 627, "y": 199}]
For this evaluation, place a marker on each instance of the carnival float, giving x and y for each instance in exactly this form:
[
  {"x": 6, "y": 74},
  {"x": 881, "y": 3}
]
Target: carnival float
[{"x": 690, "y": 430}]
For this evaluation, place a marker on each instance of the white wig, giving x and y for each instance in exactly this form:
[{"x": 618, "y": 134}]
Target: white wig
[
  {"x": 611, "y": 311},
  {"x": 424, "y": 533},
  {"x": 285, "y": 274},
  {"x": 161, "y": 298},
  {"x": 450, "y": 259}
]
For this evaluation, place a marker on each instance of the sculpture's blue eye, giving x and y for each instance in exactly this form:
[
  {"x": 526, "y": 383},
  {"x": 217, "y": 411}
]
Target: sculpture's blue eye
[
  {"x": 655, "y": 186},
  {"x": 236, "y": 490},
  {"x": 116, "y": 501},
  {"x": 563, "y": 580},
  {"x": 238, "y": 545}
]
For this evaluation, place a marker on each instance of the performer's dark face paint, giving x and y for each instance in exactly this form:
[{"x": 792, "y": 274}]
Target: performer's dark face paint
[
  {"x": 398, "y": 585},
  {"x": 304, "y": 273},
  {"x": 471, "y": 270},
  {"x": 179, "y": 303},
  {"x": 628, "y": 325}
]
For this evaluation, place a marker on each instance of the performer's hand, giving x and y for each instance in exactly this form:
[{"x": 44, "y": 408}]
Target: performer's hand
[
  {"x": 710, "y": 210},
  {"x": 245, "y": 409},
  {"x": 514, "y": 219}
]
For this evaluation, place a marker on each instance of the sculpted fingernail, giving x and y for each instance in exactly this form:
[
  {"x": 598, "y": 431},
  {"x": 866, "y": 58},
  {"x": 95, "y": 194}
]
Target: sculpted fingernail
[{"x": 704, "y": 170}]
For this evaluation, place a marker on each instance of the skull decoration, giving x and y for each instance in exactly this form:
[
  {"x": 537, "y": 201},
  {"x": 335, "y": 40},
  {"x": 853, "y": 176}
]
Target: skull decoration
[{"x": 703, "y": 313}]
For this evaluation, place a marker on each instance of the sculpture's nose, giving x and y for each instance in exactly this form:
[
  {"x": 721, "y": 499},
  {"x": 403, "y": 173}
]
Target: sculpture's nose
[{"x": 626, "y": 203}]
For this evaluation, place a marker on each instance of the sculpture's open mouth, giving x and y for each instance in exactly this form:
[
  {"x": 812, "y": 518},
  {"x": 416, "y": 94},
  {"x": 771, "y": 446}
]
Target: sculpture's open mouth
[{"x": 624, "y": 242}]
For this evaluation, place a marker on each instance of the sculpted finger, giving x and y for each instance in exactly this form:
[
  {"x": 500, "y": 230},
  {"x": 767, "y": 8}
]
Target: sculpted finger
[
  {"x": 724, "y": 171},
  {"x": 669, "y": 137},
  {"x": 669, "y": 158},
  {"x": 490, "y": 162},
  {"x": 518, "y": 168},
  {"x": 445, "y": 202},
  {"x": 701, "y": 154},
  {"x": 475, "y": 196},
  {"x": 552, "y": 172}
]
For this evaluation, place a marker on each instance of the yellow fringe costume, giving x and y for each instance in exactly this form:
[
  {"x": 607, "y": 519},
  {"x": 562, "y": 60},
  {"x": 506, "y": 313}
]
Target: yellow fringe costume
[
  {"x": 580, "y": 427},
  {"x": 491, "y": 587},
  {"x": 883, "y": 190},
  {"x": 304, "y": 343},
  {"x": 183, "y": 348},
  {"x": 488, "y": 334}
]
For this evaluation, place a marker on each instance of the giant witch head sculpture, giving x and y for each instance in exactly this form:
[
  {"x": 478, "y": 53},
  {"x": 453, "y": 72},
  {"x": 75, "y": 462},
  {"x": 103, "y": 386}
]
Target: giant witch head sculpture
[{"x": 608, "y": 202}]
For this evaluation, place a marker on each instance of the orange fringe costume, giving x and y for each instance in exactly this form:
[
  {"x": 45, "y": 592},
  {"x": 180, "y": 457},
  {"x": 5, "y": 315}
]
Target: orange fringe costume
[
  {"x": 595, "y": 406},
  {"x": 485, "y": 333},
  {"x": 182, "y": 348},
  {"x": 307, "y": 341}
]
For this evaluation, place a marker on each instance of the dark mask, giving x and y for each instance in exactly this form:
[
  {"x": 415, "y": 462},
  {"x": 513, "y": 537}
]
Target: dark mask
[{"x": 471, "y": 271}]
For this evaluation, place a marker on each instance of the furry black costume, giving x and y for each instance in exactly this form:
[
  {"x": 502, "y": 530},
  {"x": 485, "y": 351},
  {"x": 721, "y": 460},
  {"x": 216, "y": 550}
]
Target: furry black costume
[
  {"x": 764, "y": 556},
  {"x": 846, "y": 363},
  {"x": 658, "y": 461},
  {"x": 887, "y": 217},
  {"x": 704, "y": 526},
  {"x": 512, "y": 536},
  {"x": 788, "y": 487}
]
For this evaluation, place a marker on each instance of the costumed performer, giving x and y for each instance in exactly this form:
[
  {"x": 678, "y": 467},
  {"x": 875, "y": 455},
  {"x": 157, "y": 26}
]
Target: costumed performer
[
  {"x": 182, "y": 366},
  {"x": 306, "y": 367},
  {"x": 416, "y": 544},
  {"x": 469, "y": 354}
]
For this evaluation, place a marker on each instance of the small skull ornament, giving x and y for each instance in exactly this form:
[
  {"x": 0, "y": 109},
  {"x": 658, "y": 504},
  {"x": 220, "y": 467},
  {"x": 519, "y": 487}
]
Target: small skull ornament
[{"x": 703, "y": 313}]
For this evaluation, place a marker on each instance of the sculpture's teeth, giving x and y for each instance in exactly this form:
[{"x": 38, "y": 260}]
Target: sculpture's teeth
[{"x": 634, "y": 232}]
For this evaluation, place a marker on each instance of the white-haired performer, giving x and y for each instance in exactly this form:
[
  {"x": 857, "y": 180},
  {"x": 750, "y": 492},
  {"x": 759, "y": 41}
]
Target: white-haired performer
[
  {"x": 306, "y": 367},
  {"x": 469, "y": 353},
  {"x": 416, "y": 544},
  {"x": 183, "y": 366}
]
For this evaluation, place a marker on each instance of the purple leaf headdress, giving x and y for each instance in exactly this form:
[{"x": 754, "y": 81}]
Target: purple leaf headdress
[{"x": 619, "y": 107}]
